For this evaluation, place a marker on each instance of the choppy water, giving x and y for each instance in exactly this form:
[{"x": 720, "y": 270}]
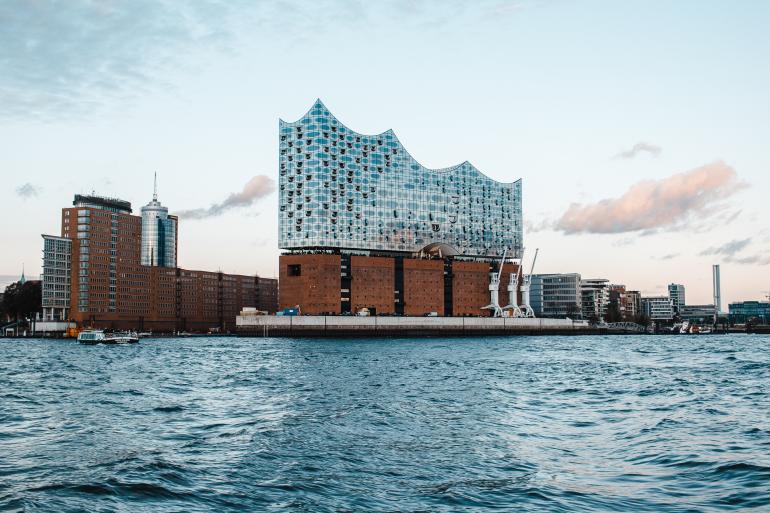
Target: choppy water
[{"x": 526, "y": 424}]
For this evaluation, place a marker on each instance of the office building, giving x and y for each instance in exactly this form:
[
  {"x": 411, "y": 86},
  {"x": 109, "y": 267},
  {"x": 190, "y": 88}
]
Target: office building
[
  {"x": 364, "y": 225},
  {"x": 109, "y": 287},
  {"x": 658, "y": 308},
  {"x": 717, "y": 285},
  {"x": 750, "y": 311},
  {"x": 676, "y": 293},
  {"x": 633, "y": 304},
  {"x": 55, "y": 279},
  {"x": 159, "y": 234},
  {"x": 556, "y": 295},
  {"x": 697, "y": 313}
]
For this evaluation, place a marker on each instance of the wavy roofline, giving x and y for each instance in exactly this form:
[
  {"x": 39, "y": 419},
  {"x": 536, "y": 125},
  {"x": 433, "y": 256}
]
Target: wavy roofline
[{"x": 390, "y": 131}]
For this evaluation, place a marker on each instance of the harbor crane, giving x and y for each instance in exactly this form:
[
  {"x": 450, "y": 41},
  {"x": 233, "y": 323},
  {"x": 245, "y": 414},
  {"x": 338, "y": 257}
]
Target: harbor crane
[
  {"x": 494, "y": 287},
  {"x": 526, "y": 308}
]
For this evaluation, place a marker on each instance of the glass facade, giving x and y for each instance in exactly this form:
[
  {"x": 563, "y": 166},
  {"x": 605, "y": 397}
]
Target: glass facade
[
  {"x": 158, "y": 236},
  {"x": 343, "y": 189}
]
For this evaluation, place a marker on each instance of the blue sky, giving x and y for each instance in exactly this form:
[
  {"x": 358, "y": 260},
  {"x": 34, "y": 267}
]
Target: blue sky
[{"x": 99, "y": 95}]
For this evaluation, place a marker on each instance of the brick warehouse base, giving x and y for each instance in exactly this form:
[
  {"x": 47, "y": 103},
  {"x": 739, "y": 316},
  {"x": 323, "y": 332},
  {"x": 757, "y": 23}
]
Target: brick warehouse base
[{"x": 332, "y": 284}]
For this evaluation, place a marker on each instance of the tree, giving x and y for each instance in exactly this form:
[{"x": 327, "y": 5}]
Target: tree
[{"x": 22, "y": 300}]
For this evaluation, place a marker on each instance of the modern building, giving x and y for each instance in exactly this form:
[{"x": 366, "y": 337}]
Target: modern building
[
  {"x": 717, "y": 284},
  {"x": 633, "y": 302},
  {"x": 159, "y": 234},
  {"x": 364, "y": 225},
  {"x": 56, "y": 277},
  {"x": 109, "y": 287},
  {"x": 658, "y": 308},
  {"x": 698, "y": 313},
  {"x": 595, "y": 298},
  {"x": 556, "y": 295},
  {"x": 750, "y": 311},
  {"x": 676, "y": 293}
]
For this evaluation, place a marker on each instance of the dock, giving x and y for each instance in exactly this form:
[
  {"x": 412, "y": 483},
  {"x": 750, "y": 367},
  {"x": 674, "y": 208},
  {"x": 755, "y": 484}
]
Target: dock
[{"x": 382, "y": 326}]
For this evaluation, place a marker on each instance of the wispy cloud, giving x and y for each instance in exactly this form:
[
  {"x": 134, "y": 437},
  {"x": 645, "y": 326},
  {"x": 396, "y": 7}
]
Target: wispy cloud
[
  {"x": 640, "y": 147},
  {"x": 749, "y": 260},
  {"x": 655, "y": 204},
  {"x": 73, "y": 58},
  {"x": 256, "y": 188},
  {"x": 27, "y": 190},
  {"x": 670, "y": 256},
  {"x": 727, "y": 249}
]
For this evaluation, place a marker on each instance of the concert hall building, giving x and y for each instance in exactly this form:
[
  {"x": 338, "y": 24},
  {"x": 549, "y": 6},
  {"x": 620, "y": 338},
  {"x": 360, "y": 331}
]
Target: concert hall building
[{"x": 362, "y": 224}]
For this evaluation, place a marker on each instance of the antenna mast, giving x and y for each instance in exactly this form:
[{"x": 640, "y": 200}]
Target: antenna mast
[{"x": 155, "y": 188}]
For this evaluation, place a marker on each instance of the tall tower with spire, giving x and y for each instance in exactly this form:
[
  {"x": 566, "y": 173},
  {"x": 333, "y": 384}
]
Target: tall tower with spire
[{"x": 159, "y": 233}]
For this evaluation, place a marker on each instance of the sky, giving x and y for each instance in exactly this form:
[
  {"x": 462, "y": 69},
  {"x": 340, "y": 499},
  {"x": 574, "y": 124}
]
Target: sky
[{"x": 639, "y": 128}]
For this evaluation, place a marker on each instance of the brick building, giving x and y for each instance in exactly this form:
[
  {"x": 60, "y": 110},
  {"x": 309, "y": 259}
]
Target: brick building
[
  {"x": 364, "y": 225},
  {"x": 95, "y": 277}
]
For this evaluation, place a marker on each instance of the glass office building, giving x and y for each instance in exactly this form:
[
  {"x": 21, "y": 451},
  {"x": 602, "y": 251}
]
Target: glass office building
[
  {"x": 158, "y": 234},
  {"x": 340, "y": 189}
]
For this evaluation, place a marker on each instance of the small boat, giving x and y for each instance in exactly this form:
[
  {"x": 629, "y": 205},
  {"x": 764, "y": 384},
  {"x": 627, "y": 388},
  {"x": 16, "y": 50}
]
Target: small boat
[
  {"x": 101, "y": 337},
  {"x": 144, "y": 334}
]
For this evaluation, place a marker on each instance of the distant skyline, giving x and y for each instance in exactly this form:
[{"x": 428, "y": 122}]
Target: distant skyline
[{"x": 638, "y": 128}]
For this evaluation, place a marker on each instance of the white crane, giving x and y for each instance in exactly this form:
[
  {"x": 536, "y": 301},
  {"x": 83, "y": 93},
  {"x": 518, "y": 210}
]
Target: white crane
[
  {"x": 526, "y": 308},
  {"x": 494, "y": 287}
]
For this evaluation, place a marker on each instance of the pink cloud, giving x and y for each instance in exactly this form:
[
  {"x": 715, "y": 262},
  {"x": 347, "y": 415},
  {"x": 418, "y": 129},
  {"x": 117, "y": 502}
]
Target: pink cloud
[{"x": 653, "y": 204}]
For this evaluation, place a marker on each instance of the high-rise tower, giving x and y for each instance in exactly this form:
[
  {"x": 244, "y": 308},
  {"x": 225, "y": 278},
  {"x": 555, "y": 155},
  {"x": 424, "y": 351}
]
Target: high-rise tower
[{"x": 159, "y": 231}]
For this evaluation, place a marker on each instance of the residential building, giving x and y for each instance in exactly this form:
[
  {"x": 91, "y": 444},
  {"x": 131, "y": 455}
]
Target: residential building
[
  {"x": 633, "y": 303},
  {"x": 364, "y": 225},
  {"x": 595, "y": 298},
  {"x": 556, "y": 295},
  {"x": 658, "y": 308}
]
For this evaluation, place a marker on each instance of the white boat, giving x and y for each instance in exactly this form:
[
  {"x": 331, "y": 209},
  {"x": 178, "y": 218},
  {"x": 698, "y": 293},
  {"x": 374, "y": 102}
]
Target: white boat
[{"x": 100, "y": 337}]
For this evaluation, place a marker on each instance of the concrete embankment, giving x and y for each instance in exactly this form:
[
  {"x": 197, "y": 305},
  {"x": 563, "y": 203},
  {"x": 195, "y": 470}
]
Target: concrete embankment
[{"x": 342, "y": 326}]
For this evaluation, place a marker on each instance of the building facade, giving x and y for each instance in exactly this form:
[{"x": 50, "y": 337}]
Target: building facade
[
  {"x": 109, "y": 287},
  {"x": 56, "y": 278},
  {"x": 658, "y": 308},
  {"x": 595, "y": 295},
  {"x": 676, "y": 294},
  {"x": 159, "y": 234},
  {"x": 363, "y": 225},
  {"x": 697, "y": 313},
  {"x": 556, "y": 295},
  {"x": 747, "y": 311}
]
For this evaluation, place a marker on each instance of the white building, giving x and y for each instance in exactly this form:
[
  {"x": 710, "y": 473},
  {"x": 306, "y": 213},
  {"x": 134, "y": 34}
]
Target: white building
[
  {"x": 676, "y": 294},
  {"x": 595, "y": 297},
  {"x": 659, "y": 308}
]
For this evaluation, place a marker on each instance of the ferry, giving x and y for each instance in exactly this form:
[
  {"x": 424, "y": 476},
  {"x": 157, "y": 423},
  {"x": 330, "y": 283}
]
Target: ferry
[{"x": 100, "y": 337}]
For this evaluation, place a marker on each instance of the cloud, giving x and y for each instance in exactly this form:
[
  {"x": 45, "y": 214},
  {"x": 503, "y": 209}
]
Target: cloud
[
  {"x": 727, "y": 249},
  {"x": 640, "y": 147},
  {"x": 74, "y": 58},
  {"x": 256, "y": 188},
  {"x": 27, "y": 190},
  {"x": 655, "y": 204},
  {"x": 749, "y": 260},
  {"x": 670, "y": 256},
  {"x": 62, "y": 59}
]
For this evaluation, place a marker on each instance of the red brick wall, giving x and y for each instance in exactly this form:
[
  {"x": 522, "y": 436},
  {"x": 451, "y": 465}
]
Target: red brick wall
[
  {"x": 423, "y": 286},
  {"x": 470, "y": 288},
  {"x": 316, "y": 290},
  {"x": 372, "y": 284}
]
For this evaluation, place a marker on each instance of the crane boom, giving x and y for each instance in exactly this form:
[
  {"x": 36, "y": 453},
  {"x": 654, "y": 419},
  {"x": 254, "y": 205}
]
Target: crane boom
[
  {"x": 502, "y": 263},
  {"x": 531, "y": 269}
]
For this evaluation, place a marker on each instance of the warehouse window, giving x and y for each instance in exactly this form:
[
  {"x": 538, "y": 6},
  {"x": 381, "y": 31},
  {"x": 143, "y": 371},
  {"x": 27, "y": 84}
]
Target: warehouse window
[{"x": 294, "y": 270}]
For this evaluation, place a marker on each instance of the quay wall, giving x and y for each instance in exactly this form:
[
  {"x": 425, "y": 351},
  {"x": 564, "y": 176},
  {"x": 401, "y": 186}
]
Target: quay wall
[{"x": 336, "y": 326}]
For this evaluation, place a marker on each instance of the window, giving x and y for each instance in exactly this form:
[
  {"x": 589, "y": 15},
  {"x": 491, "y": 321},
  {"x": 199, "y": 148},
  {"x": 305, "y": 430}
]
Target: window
[{"x": 294, "y": 270}]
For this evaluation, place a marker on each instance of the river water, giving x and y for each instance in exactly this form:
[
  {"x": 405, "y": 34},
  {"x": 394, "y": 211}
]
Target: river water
[{"x": 623, "y": 423}]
